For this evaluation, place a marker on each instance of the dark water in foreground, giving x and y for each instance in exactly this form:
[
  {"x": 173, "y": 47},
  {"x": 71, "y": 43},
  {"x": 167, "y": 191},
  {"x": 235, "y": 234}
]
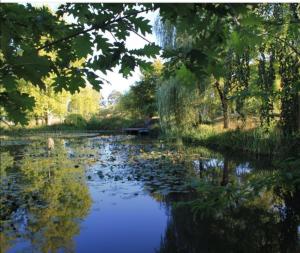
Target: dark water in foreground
[{"x": 119, "y": 194}]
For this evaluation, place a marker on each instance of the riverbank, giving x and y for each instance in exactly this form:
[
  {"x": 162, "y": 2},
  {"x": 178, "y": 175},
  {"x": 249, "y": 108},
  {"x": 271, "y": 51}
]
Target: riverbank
[
  {"x": 256, "y": 141},
  {"x": 108, "y": 126}
]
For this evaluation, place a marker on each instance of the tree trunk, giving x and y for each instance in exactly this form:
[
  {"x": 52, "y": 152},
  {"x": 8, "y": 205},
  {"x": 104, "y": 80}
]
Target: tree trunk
[
  {"x": 224, "y": 103},
  {"x": 46, "y": 119},
  {"x": 199, "y": 118},
  {"x": 298, "y": 111},
  {"x": 225, "y": 177},
  {"x": 201, "y": 168},
  {"x": 199, "y": 110},
  {"x": 36, "y": 121},
  {"x": 225, "y": 113}
]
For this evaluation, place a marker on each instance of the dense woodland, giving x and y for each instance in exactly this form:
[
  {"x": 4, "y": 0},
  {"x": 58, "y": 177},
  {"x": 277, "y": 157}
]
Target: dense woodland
[{"x": 220, "y": 66}]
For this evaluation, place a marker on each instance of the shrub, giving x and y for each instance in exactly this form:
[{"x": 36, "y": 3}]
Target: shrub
[
  {"x": 75, "y": 120},
  {"x": 93, "y": 123}
]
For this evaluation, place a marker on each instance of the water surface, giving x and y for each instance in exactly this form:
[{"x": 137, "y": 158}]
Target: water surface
[{"x": 125, "y": 194}]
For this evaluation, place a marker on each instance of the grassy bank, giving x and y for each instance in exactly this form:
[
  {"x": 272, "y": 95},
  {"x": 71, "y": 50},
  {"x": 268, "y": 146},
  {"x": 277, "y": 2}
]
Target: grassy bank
[
  {"x": 113, "y": 124},
  {"x": 254, "y": 141}
]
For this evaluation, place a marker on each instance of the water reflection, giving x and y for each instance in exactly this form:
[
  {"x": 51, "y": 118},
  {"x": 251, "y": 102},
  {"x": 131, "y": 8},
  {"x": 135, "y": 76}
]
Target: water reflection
[
  {"x": 117, "y": 194},
  {"x": 248, "y": 228},
  {"x": 43, "y": 195},
  {"x": 237, "y": 208}
]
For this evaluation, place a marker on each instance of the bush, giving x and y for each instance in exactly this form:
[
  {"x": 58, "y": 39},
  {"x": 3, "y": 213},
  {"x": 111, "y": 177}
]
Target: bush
[
  {"x": 93, "y": 123},
  {"x": 76, "y": 120},
  {"x": 115, "y": 123}
]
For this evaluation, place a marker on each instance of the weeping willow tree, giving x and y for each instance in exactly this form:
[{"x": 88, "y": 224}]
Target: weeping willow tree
[
  {"x": 179, "y": 94},
  {"x": 171, "y": 37},
  {"x": 166, "y": 33},
  {"x": 178, "y": 102}
]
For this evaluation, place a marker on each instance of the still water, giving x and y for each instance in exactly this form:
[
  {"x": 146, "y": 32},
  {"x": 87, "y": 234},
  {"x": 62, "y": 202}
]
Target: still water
[{"x": 119, "y": 194}]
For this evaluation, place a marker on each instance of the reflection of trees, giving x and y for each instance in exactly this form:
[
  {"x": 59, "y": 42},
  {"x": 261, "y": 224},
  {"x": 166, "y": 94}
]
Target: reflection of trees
[
  {"x": 236, "y": 208},
  {"x": 49, "y": 197},
  {"x": 290, "y": 214},
  {"x": 6, "y": 162},
  {"x": 261, "y": 219}
]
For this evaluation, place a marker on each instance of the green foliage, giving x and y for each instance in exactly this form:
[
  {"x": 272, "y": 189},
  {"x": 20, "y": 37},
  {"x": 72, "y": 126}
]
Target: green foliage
[
  {"x": 255, "y": 141},
  {"x": 222, "y": 43},
  {"x": 75, "y": 120},
  {"x": 115, "y": 123},
  {"x": 86, "y": 102},
  {"x": 46, "y": 100},
  {"x": 177, "y": 102},
  {"x": 242, "y": 57},
  {"x": 29, "y": 35},
  {"x": 290, "y": 94},
  {"x": 140, "y": 100},
  {"x": 266, "y": 81},
  {"x": 15, "y": 104}
]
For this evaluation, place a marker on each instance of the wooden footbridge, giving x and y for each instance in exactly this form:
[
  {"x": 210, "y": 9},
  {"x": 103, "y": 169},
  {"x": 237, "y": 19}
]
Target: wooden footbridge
[
  {"x": 136, "y": 130},
  {"x": 142, "y": 129}
]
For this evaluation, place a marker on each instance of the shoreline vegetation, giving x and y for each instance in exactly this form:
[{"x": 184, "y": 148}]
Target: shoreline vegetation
[
  {"x": 232, "y": 70},
  {"x": 256, "y": 142}
]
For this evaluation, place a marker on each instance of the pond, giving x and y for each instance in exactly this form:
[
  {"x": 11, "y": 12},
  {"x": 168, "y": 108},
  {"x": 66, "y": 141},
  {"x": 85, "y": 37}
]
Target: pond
[{"x": 124, "y": 194}]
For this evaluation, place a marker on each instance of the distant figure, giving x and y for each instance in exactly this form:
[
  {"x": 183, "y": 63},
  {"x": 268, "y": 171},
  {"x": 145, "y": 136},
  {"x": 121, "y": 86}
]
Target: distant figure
[{"x": 50, "y": 144}]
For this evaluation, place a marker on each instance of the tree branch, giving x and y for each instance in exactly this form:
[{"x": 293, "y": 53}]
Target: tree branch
[
  {"x": 113, "y": 36},
  {"x": 139, "y": 35},
  {"x": 217, "y": 85},
  {"x": 291, "y": 22},
  {"x": 95, "y": 26},
  {"x": 288, "y": 44}
]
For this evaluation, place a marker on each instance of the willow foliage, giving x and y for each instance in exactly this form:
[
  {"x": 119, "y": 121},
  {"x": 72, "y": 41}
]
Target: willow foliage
[
  {"x": 166, "y": 33},
  {"x": 170, "y": 37},
  {"x": 177, "y": 101}
]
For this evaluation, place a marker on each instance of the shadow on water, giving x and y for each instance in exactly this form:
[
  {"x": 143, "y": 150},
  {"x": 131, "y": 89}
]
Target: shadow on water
[{"x": 126, "y": 194}]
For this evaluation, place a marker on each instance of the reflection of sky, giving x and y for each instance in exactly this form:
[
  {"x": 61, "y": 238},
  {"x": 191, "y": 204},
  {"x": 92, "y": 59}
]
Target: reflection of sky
[
  {"x": 207, "y": 164},
  {"x": 123, "y": 218},
  {"x": 243, "y": 168},
  {"x": 117, "y": 224},
  {"x": 240, "y": 169}
]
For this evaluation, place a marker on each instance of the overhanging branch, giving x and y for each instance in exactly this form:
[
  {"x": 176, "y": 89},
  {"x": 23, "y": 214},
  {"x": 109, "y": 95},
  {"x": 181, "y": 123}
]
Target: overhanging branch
[{"x": 96, "y": 26}]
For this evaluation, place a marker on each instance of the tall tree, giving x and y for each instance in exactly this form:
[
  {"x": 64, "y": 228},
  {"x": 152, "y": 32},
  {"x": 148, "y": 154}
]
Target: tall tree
[
  {"x": 86, "y": 102},
  {"x": 140, "y": 100},
  {"x": 220, "y": 29},
  {"x": 28, "y": 32}
]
